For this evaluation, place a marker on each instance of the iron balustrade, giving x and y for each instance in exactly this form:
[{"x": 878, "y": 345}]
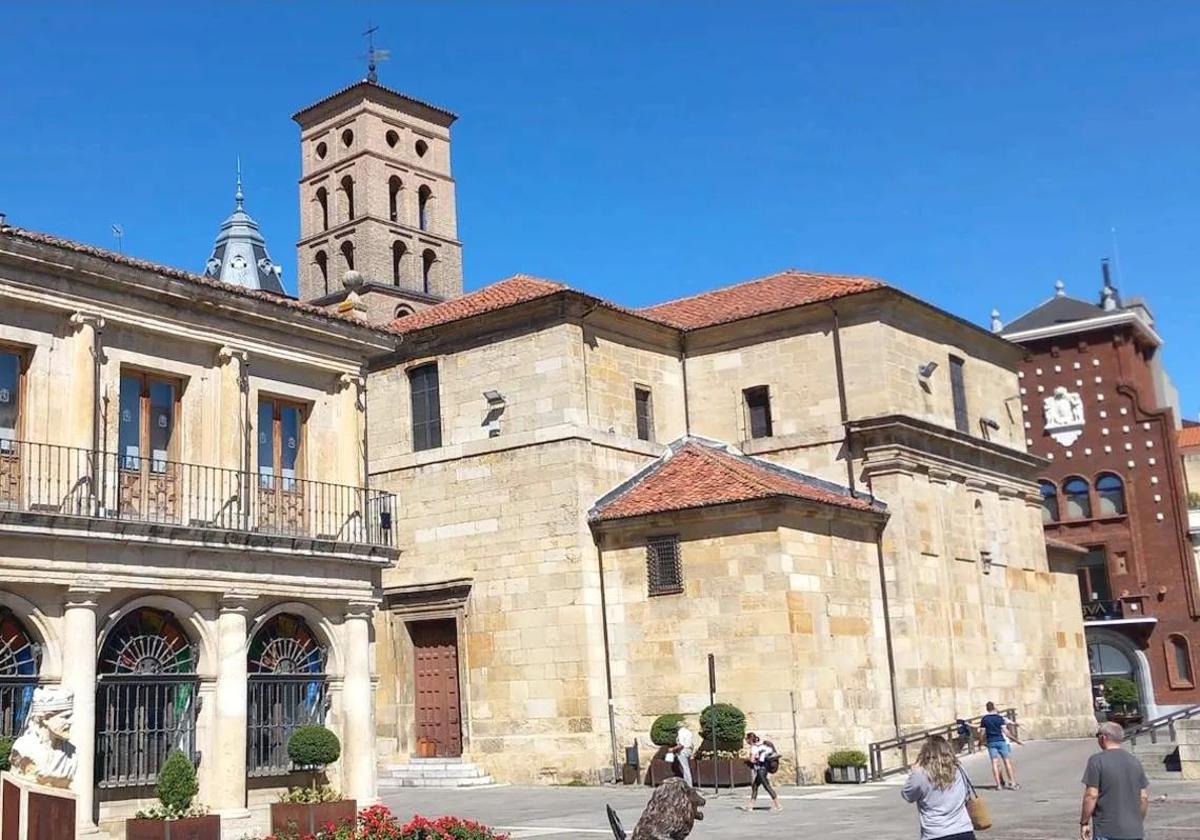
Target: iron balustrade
[
  {"x": 62, "y": 480},
  {"x": 140, "y": 720},
  {"x": 16, "y": 693},
  {"x": 897, "y": 748},
  {"x": 1152, "y": 728},
  {"x": 278, "y": 705}
]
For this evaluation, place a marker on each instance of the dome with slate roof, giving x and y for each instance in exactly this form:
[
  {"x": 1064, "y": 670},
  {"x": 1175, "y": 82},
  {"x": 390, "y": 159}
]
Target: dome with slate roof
[{"x": 239, "y": 254}]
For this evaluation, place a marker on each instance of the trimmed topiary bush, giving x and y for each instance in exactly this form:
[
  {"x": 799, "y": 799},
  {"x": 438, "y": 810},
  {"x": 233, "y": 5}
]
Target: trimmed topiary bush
[
  {"x": 313, "y": 746},
  {"x": 662, "y": 731},
  {"x": 177, "y": 783},
  {"x": 847, "y": 758},
  {"x": 724, "y": 722},
  {"x": 1121, "y": 693}
]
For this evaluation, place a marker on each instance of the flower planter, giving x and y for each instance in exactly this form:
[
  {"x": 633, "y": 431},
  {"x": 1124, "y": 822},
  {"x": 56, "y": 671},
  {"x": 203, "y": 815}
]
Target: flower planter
[
  {"x": 207, "y": 827},
  {"x": 729, "y": 772},
  {"x": 308, "y": 817},
  {"x": 847, "y": 775}
]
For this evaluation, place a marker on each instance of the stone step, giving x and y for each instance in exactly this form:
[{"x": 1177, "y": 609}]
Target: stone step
[
  {"x": 433, "y": 772},
  {"x": 452, "y": 772},
  {"x": 393, "y": 783}
]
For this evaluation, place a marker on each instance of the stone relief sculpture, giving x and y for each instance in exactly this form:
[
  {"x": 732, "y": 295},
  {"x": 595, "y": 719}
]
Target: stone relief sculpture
[
  {"x": 673, "y": 809},
  {"x": 43, "y": 753},
  {"x": 1062, "y": 414}
]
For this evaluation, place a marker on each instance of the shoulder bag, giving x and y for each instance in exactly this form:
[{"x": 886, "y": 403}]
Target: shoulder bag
[{"x": 977, "y": 808}]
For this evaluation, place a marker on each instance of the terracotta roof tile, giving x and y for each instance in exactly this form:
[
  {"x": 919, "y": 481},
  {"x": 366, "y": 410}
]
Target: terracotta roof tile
[
  {"x": 453, "y": 116},
  {"x": 519, "y": 288},
  {"x": 1189, "y": 436},
  {"x": 775, "y": 292},
  {"x": 178, "y": 274},
  {"x": 698, "y": 473}
]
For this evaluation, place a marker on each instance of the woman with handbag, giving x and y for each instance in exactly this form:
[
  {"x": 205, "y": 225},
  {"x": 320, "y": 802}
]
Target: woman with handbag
[{"x": 941, "y": 791}]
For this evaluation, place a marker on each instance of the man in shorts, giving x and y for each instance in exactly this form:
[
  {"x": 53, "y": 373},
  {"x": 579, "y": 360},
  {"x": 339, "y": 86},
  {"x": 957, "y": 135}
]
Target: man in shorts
[
  {"x": 1115, "y": 791},
  {"x": 993, "y": 729}
]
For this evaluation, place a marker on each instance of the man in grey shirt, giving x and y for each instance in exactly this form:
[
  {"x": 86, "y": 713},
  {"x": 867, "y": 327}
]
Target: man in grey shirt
[{"x": 1116, "y": 793}]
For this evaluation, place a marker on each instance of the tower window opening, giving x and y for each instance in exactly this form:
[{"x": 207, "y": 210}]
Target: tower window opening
[
  {"x": 322, "y": 261},
  {"x": 322, "y": 150},
  {"x": 398, "y": 252},
  {"x": 422, "y": 147},
  {"x": 427, "y": 260},
  {"x": 392, "y": 138},
  {"x": 423, "y": 196},
  {"x": 347, "y": 138},
  {"x": 394, "y": 187},
  {"x": 348, "y": 191},
  {"x": 348, "y": 254},
  {"x": 323, "y": 202}
]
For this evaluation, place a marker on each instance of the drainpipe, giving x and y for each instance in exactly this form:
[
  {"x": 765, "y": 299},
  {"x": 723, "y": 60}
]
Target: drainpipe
[
  {"x": 608, "y": 681},
  {"x": 687, "y": 409},
  {"x": 841, "y": 389},
  {"x": 247, "y": 481},
  {"x": 887, "y": 620},
  {"x": 97, "y": 322}
]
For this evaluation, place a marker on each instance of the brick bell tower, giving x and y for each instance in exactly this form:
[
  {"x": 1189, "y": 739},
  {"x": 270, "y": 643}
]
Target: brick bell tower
[{"x": 377, "y": 197}]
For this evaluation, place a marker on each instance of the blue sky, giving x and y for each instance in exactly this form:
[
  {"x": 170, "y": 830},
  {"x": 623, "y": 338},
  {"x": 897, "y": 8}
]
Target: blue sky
[{"x": 971, "y": 153}]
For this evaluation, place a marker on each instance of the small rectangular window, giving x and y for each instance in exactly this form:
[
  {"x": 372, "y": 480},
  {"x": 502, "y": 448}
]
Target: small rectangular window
[
  {"x": 664, "y": 570},
  {"x": 10, "y": 399},
  {"x": 758, "y": 410},
  {"x": 645, "y": 413},
  {"x": 958, "y": 391},
  {"x": 426, "y": 407},
  {"x": 147, "y": 424}
]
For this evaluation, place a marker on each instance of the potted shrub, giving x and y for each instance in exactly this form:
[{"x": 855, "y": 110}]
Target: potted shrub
[
  {"x": 302, "y": 810},
  {"x": 5, "y": 748},
  {"x": 722, "y": 733},
  {"x": 1122, "y": 696},
  {"x": 175, "y": 817},
  {"x": 662, "y": 735},
  {"x": 848, "y": 767}
]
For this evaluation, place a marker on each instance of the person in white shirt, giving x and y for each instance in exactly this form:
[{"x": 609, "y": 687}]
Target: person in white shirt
[{"x": 683, "y": 749}]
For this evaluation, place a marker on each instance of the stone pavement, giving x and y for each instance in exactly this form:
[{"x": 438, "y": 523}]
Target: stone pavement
[{"x": 1046, "y": 808}]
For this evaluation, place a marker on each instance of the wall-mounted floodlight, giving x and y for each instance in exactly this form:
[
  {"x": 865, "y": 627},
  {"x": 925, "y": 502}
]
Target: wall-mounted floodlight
[
  {"x": 926, "y": 370},
  {"x": 494, "y": 398}
]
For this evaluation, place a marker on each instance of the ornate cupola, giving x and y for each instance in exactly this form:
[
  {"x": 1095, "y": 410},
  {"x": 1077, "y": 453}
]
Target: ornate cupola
[{"x": 239, "y": 255}]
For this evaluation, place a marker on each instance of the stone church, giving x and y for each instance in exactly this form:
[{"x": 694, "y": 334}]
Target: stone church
[{"x": 518, "y": 520}]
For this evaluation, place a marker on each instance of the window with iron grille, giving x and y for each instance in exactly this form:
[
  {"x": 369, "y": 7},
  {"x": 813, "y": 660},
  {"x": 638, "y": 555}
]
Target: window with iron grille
[
  {"x": 758, "y": 410},
  {"x": 19, "y": 662},
  {"x": 426, "y": 407},
  {"x": 958, "y": 392},
  {"x": 664, "y": 569},
  {"x": 645, "y": 413},
  {"x": 288, "y": 688},
  {"x": 145, "y": 698}
]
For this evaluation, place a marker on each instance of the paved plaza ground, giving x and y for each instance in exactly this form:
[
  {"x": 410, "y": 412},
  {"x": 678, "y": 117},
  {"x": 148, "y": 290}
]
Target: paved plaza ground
[{"x": 1046, "y": 808}]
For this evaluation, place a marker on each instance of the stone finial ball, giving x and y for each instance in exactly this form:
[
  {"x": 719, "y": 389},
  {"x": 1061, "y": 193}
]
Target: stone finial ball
[{"x": 352, "y": 280}]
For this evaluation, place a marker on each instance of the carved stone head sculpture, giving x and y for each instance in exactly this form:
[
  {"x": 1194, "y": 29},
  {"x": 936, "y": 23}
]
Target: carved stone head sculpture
[{"x": 43, "y": 752}]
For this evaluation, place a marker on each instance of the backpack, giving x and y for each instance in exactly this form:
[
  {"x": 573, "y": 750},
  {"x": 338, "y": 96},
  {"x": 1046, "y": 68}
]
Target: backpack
[{"x": 773, "y": 759}]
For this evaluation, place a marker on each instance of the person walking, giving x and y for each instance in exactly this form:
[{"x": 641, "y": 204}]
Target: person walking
[
  {"x": 683, "y": 749},
  {"x": 939, "y": 788},
  {"x": 965, "y": 736},
  {"x": 1116, "y": 793},
  {"x": 993, "y": 728},
  {"x": 762, "y": 758}
]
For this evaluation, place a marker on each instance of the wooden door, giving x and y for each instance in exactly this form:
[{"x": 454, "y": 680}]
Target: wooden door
[{"x": 435, "y": 663}]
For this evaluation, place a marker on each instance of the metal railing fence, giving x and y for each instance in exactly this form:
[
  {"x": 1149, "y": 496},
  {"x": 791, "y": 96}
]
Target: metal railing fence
[
  {"x": 140, "y": 720},
  {"x": 892, "y": 754},
  {"x": 278, "y": 705}
]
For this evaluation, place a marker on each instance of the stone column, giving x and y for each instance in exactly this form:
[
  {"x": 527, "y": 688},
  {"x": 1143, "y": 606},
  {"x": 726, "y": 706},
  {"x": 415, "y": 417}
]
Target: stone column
[
  {"x": 228, "y": 793},
  {"x": 79, "y": 675},
  {"x": 358, "y": 707}
]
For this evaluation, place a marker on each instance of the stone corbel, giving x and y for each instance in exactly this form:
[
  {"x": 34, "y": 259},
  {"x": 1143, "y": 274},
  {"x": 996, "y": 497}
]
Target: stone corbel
[
  {"x": 937, "y": 475},
  {"x": 974, "y": 485},
  {"x": 363, "y": 608},
  {"x": 236, "y": 601},
  {"x": 79, "y": 318},
  {"x": 227, "y": 354}
]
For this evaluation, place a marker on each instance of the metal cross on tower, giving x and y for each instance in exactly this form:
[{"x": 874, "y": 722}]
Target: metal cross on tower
[{"x": 373, "y": 55}]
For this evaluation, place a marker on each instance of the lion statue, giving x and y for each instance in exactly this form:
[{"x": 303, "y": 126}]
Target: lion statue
[
  {"x": 673, "y": 809},
  {"x": 43, "y": 752}
]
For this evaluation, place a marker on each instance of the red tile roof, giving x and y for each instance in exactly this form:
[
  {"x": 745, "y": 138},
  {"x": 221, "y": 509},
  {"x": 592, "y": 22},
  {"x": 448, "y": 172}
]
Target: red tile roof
[
  {"x": 784, "y": 290},
  {"x": 1063, "y": 545},
  {"x": 453, "y": 116},
  {"x": 177, "y": 274},
  {"x": 1189, "y": 436},
  {"x": 698, "y": 474},
  {"x": 519, "y": 288}
]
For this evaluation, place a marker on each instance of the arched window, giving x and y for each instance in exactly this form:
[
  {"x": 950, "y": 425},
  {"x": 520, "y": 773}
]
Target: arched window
[
  {"x": 1110, "y": 493},
  {"x": 1049, "y": 501},
  {"x": 1079, "y": 506},
  {"x": 322, "y": 261},
  {"x": 398, "y": 252},
  {"x": 145, "y": 698},
  {"x": 403, "y": 311},
  {"x": 424, "y": 195},
  {"x": 394, "y": 187},
  {"x": 323, "y": 204},
  {"x": 347, "y": 250},
  {"x": 348, "y": 191},
  {"x": 19, "y": 660},
  {"x": 427, "y": 260},
  {"x": 1179, "y": 661},
  {"x": 288, "y": 689}
]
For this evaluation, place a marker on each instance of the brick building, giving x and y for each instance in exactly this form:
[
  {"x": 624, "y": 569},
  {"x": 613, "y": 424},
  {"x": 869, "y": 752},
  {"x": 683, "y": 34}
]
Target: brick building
[{"x": 1099, "y": 406}]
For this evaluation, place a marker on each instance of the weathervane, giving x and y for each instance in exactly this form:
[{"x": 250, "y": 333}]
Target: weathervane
[{"x": 373, "y": 55}]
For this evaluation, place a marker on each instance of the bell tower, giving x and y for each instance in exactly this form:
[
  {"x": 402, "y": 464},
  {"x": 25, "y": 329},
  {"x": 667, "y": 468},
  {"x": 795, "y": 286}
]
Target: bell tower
[{"x": 376, "y": 197}]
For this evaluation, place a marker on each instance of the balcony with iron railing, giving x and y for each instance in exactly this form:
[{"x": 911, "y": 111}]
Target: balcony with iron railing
[{"x": 56, "y": 485}]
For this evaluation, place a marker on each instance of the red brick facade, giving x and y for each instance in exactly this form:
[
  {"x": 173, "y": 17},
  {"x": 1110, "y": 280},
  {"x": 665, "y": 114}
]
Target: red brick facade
[{"x": 1108, "y": 362}]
